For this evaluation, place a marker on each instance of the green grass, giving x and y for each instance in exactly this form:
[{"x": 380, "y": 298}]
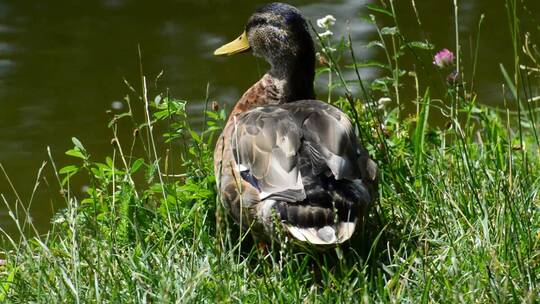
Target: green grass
[{"x": 457, "y": 220}]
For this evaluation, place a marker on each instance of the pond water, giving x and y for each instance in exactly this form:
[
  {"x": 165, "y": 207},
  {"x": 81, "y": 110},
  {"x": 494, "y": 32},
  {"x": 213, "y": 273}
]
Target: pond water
[{"x": 62, "y": 65}]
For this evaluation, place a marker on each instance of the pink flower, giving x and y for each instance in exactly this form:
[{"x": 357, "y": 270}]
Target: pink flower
[{"x": 444, "y": 59}]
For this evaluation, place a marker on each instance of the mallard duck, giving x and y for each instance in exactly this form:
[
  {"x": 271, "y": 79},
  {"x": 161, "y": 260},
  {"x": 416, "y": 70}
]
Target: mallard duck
[{"x": 285, "y": 161}]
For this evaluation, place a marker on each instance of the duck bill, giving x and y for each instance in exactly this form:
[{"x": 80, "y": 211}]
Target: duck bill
[{"x": 238, "y": 45}]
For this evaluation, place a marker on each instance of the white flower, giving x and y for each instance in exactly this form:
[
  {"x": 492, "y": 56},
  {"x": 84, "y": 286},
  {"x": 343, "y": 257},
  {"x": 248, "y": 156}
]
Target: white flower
[
  {"x": 330, "y": 49},
  {"x": 326, "y": 34},
  {"x": 326, "y": 22}
]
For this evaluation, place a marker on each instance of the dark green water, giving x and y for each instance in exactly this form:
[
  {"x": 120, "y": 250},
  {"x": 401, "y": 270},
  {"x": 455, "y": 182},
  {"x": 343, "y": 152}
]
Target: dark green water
[{"x": 62, "y": 65}]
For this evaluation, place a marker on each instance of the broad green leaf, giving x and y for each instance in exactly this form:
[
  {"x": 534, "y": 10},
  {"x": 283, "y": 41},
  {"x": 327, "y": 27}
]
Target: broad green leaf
[
  {"x": 136, "y": 165},
  {"x": 68, "y": 169},
  {"x": 75, "y": 153},
  {"x": 195, "y": 136}
]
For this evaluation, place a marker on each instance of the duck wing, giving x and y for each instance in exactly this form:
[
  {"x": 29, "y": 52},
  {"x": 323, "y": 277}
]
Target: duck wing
[
  {"x": 307, "y": 164},
  {"x": 328, "y": 137},
  {"x": 265, "y": 143}
]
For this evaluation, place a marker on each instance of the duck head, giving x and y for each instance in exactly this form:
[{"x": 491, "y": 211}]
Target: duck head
[{"x": 279, "y": 34}]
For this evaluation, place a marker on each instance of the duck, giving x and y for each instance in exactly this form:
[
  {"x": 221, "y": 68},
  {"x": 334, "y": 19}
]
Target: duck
[{"x": 286, "y": 163}]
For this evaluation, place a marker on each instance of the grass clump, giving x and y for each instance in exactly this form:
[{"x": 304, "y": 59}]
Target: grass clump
[{"x": 457, "y": 218}]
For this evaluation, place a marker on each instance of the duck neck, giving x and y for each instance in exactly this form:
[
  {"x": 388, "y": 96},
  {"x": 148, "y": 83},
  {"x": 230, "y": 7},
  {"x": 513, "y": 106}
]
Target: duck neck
[
  {"x": 293, "y": 77},
  {"x": 289, "y": 79}
]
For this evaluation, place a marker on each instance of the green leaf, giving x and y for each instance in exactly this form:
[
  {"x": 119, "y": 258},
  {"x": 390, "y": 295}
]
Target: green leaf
[
  {"x": 391, "y": 31},
  {"x": 151, "y": 169},
  {"x": 97, "y": 173},
  {"x": 78, "y": 144},
  {"x": 212, "y": 115},
  {"x": 75, "y": 153},
  {"x": 67, "y": 178},
  {"x": 161, "y": 114},
  {"x": 421, "y": 45},
  {"x": 369, "y": 64},
  {"x": 68, "y": 169},
  {"x": 136, "y": 165},
  {"x": 6, "y": 284},
  {"x": 378, "y": 9},
  {"x": 195, "y": 136},
  {"x": 374, "y": 44},
  {"x": 420, "y": 131},
  {"x": 109, "y": 162}
]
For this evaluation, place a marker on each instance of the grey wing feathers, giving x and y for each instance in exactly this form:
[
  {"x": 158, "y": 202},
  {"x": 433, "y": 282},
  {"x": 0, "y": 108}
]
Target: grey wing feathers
[
  {"x": 305, "y": 161},
  {"x": 265, "y": 143},
  {"x": 329, "y": 136}
]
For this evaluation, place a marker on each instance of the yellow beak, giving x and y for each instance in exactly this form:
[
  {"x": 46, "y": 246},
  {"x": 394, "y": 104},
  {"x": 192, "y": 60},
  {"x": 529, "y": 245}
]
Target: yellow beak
[{"x": 236, "y": 46}]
